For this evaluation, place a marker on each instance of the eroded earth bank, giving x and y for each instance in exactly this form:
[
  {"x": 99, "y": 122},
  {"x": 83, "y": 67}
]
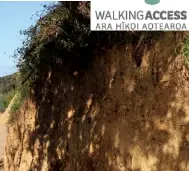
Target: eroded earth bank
[{"x": 119, "y": 114}]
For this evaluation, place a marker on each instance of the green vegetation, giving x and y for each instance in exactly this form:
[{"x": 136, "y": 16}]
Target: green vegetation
[
  {"x": 5, "y": 100},
  {"x": 7, "y": 83},
  {"x": 9, "y": 87},
  {"x": 186, "y": 52},
  {"x": 63, "y": 33},
  {"x": 61, "y": 38},
  {"x": 7, "y": 90},
  {"x": 20, "y": 97}
]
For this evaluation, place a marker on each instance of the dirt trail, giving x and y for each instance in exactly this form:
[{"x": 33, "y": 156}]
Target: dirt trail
[
  {"x": 2, "y": 142},
  {"x": 3, "y": 132}
]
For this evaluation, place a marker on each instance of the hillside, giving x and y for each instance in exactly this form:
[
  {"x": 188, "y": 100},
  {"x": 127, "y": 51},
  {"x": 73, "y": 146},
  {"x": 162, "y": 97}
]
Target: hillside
[
  {"x": 111, "y": 101},
  {"x": 8, "y": 85},
  {"x": 113, "y": 117}
]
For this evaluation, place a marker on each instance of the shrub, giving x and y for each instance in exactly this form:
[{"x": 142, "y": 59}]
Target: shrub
[
  {"x": 186, "y": 52},
  {"x": 63, "y": 32},
  {"x": 5, "y": 99},
  {"x": 21, "y": 95}
]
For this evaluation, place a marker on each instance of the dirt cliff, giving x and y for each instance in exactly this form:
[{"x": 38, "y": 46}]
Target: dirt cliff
[{"x": 115, "y": 116}]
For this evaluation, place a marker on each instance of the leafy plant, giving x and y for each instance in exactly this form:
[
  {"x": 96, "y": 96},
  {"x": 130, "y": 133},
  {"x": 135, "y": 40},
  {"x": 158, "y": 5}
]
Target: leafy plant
[
  {"x": 21, "y": 95},
  {"x": 8, "y": 86},
  {"x": 186, "y": 52},
  {"x": 7, "y": 83},
  {"x": 63, "y": 32},
  {"x": 5, "y": 100}
]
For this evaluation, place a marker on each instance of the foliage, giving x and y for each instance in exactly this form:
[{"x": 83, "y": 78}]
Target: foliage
[
  {"x": 15, "y": 107},
  {"x": 64, "y": 32},
  {"x": 186, "y": 52},
  {"x": 13, "y": 87},
  {"x": 7, "y": 83},
  {"x": 21, "y": 94},
  {"x": 5, "y": 99}
]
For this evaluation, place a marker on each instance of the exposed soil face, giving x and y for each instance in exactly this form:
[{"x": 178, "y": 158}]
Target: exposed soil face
[{"x": 114, "y": 117}]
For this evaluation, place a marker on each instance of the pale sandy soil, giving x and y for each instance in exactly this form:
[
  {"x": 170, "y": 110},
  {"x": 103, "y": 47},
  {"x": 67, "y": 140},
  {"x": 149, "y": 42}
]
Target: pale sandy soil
[
  {"x": 2, "y": 139},
  {"x": 2, "y": 142},
  {"x": 3, "y": 121}
]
